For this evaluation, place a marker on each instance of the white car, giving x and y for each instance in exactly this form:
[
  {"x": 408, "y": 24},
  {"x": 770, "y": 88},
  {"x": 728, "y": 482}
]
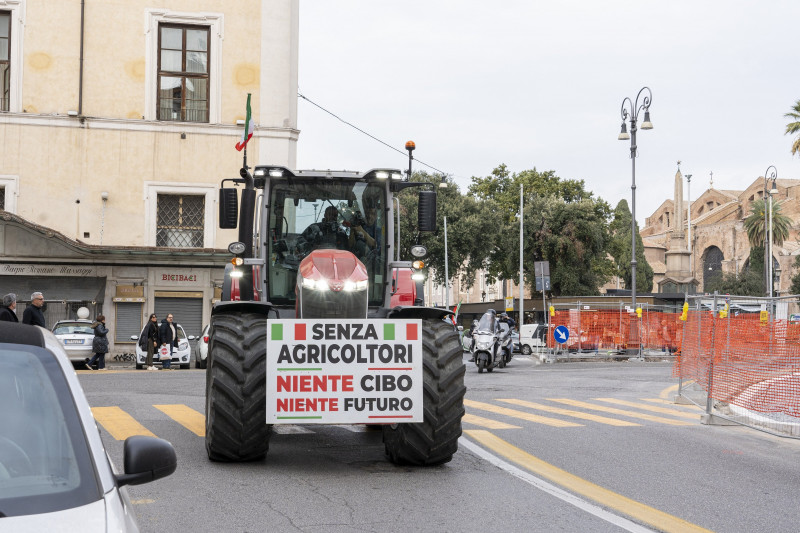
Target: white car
[
  {"x": 76, "y": 337},
  {"x": 201, "y": 349},
  {"x": 181, "y": 356},
  {"x": 55, "y": 474}
]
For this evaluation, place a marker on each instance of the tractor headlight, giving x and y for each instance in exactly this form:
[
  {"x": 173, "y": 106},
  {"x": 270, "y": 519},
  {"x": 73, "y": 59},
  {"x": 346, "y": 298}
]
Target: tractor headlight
[
  {"x": 351, "y": 286},
  {"x": 315, "y": 284}
]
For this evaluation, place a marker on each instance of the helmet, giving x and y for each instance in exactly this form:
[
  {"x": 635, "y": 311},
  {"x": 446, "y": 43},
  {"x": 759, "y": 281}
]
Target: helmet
[{"x": 504, "y": 315}]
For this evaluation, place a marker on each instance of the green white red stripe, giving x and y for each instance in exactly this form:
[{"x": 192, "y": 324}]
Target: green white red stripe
[{"x": 249, "y": 127}]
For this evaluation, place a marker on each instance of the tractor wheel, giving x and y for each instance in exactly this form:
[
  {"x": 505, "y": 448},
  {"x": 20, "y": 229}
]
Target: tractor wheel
[
  {"x": 236, "y": 388},
  {"x": 435, "y": 440},
  {"x": 526, "y": 350}
]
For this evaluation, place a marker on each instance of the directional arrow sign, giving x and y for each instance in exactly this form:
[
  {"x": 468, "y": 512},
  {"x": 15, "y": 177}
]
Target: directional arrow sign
[{"x": 561, "y": 334}]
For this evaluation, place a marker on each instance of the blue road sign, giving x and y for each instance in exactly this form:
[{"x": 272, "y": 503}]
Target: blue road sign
[{"x": 561, "y": 334}]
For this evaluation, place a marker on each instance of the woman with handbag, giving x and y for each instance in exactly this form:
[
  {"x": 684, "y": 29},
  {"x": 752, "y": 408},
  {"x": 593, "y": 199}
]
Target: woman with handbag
[
  {"x": 150, "y": 340},
  {"x": 169, "y": 341},
  {"x": 99, "y": 344}
]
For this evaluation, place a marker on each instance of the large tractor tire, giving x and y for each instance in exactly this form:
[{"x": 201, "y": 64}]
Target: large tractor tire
[
  {"x": 435, "y": 440},
  {"x": 236, "y": 388}
]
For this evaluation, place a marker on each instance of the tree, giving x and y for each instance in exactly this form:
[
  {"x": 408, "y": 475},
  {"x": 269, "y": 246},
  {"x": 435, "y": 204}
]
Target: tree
[
  {"x": 550, "y": 235},
  {"x": 469, "y": 237},
  {"x": 755, "y": 224},
  {"x": 749, "y": 282},
  {"x": 795, "y": 287},
  {"x": 620, "y": 249},
  {"x": 794, "y": 126}
]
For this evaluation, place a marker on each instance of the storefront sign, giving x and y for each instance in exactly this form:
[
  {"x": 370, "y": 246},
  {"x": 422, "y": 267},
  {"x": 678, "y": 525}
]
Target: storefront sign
[
  {"x": 177, "y": 277},
  {"x": 48, "y": 270},
  {"x": 344, "y": 371}
]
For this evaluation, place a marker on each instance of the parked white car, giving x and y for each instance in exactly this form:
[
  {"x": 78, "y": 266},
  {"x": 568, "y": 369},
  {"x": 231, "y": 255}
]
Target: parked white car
[
  {"x": 55, "y": 474},
  {"x": 76, "y": 337},
  {"x": 201, "y": 349},
  {"x": 181, "y": 356}
]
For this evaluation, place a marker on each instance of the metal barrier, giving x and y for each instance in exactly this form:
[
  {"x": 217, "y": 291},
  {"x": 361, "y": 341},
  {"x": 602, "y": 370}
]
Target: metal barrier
[
  {"x": 615, "y": 331},
  {"x": 740, "y": 360}
]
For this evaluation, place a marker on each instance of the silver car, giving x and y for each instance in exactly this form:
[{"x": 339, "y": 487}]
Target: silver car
[
  {"x": 55, "y": 474},
  {"x": 201, "y": 349},
  {"x": 76, "y": 337},
  {"x": 181, "y": 356}
]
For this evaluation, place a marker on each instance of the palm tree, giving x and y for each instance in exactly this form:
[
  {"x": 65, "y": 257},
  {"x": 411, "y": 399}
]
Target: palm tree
[
  {"x": 755, "y": 223},
  {"x": 794, "y": 126}
]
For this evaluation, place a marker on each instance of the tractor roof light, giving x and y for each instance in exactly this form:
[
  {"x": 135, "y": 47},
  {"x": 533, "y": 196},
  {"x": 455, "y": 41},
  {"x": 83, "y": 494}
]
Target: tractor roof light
[
  {"x": 419, "y": 250},
  {"x": 236, "y": 273},
  {"x": 382, "y": 175},
  {"x": 275, "y": 173},
  {"x": 418, "y": 265},
  {"x": 237, "y": 261},
  {"x": 259, "y": 172},
  {"x": 237, "y": 248},
  {"x": 418, "y": 276}
]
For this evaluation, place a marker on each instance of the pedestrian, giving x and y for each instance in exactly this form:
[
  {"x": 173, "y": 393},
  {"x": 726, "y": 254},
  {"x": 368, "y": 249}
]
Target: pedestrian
[
  {"x": 149, "y": 340},
  {"x": 8, "y": 312},
  {"x": 33, "y": 314},
  {"x": 169, "y": 340},
  {"x": 99, "y": 344}
]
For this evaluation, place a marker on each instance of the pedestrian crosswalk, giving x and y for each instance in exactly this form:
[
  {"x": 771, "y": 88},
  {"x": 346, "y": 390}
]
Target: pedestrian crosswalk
[{"x": 496, "y": 414}]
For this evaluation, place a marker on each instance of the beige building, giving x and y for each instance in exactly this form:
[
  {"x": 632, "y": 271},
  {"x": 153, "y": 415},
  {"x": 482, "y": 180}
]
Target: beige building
[
  {"x": 118, "y": 120},
  {"x": 718, "y": 239}
]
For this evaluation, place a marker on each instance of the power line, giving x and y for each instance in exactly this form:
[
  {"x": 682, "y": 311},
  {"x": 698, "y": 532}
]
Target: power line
[{"x": 368, "y": 134}]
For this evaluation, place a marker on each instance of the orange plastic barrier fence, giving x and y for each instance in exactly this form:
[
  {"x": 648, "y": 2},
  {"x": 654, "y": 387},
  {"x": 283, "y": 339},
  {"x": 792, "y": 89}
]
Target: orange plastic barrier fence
[
  {"x": 614, "y": 330},
  {"x": 743, "y": 360}
]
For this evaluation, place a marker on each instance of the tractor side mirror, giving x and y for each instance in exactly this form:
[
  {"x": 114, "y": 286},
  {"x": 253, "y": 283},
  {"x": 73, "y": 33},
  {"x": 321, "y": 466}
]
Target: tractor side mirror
[
  {"x": 228, "y": 208},
  {"x": 426, "y": 210}
]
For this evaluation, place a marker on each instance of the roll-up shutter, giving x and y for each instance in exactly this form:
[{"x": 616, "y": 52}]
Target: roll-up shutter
[
  {"x": 188, "y": 312},
  {"x": 129, "y": 321}
]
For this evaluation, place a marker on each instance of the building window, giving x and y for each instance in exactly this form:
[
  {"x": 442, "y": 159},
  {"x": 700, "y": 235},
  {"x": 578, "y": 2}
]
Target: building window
[
  {"x": 180, "y": 220},
  {"x": 5, "y": 60},
  {"x": 183, "y": 73},
  {"x": 2, "y": 198}
]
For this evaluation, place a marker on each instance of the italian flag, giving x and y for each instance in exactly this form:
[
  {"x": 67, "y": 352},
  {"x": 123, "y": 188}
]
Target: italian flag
[{"x": 249, "y": 127}]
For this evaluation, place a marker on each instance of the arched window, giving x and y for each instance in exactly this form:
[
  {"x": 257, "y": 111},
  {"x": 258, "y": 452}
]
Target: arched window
[{"x": 712, "y": 264}]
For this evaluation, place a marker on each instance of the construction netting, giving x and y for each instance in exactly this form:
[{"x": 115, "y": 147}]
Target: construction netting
[
  {"x": 617, "y": 330},
  {"x": 747, "y": 360}
]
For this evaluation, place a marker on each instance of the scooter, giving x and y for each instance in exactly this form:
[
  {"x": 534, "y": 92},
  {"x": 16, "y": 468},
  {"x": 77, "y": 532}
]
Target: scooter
[{"x": 492, "y": 344}]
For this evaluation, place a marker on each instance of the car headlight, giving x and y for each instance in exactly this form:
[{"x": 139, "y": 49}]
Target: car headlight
[
  {"x": 183, "y": 346},
  {"x": 315, "y": 285},
  {"x": 351, "y": 286}
]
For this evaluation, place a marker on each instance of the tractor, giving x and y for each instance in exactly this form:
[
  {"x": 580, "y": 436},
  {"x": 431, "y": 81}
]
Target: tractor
[{"x": 306, "y": 331}]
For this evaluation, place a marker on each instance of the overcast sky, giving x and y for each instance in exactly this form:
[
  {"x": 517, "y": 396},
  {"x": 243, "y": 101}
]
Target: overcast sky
[{"x": 533, "y": 83}]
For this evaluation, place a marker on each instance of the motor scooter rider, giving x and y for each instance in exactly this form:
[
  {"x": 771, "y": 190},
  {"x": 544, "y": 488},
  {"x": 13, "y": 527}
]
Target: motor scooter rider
[
  {"x": 508, "y": 320},
  {"x": 471, "y": 335}
]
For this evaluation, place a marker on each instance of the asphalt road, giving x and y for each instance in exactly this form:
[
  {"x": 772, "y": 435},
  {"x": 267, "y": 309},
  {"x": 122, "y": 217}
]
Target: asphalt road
[{"x": 564, "y": 447}]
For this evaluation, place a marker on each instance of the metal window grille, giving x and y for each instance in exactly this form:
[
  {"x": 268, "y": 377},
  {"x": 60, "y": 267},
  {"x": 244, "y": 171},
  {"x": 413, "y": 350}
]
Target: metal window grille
[
  {"x": 183, "y": 77},
  {"x": 180, "y": 220},
  {"x": 2, "y": 198}
]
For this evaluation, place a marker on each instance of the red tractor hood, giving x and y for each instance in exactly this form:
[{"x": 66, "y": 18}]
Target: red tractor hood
[{"x": 336, "y": 266}]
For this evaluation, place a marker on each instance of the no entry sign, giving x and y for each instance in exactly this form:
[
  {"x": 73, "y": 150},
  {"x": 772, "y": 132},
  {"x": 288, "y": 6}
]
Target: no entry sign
[{"x": 344, "y": 371}]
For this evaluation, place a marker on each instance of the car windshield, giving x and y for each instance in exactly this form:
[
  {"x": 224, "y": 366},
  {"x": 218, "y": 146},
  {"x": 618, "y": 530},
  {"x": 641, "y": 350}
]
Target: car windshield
[
  {"x": 307, "y": 215},
  {"x": 73, "y": 328},
  {"x": 45, "y": 463}
]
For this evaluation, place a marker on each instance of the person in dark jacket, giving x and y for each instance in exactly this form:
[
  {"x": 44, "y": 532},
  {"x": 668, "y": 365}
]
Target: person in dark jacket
[
  {"x": 169, "y": 338},
  {"x": 33, "y": 314},
  {"x": 8, "y": 311},
  {"x": 149, "y": 340},
  {"x": 99, "y": 344}
]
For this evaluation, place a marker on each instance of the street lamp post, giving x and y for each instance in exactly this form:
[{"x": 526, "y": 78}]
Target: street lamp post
[
  {"x": 631, "y": 114},
  {"x": 768, "y": 233}
]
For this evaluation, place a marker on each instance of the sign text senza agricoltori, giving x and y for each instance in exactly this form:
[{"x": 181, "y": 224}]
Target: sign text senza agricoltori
[{"x": 344, "y": 371}]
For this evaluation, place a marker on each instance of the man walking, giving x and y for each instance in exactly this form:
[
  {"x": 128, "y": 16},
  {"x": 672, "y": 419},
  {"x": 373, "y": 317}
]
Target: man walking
[
  {"x": 169, "y": 338},
  {"x": 8, "y": 311},
  {"x": 33, "y": 314}
]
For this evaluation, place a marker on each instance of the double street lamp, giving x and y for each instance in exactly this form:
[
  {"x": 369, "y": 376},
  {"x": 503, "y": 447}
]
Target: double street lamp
[
  {"x": 769, "y": 233},
  {"x": 631, "y": 114}
]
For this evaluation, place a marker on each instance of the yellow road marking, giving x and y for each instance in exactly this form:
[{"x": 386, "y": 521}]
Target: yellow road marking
[
  {"x": 118, "y": 423},
  {"x": 513, "y": 413},
  {"x": 142, "y": 501},
  {"x": 185, "y": 416},
  {"x": 643, "y": 416},
  {"x": 569, "y": 412},
  {"x": 651, "y": 408},
  {"x": 636, "y": 510},
  {"x": 673, "y": 389},
  {"x": 486, "y": 422}
]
